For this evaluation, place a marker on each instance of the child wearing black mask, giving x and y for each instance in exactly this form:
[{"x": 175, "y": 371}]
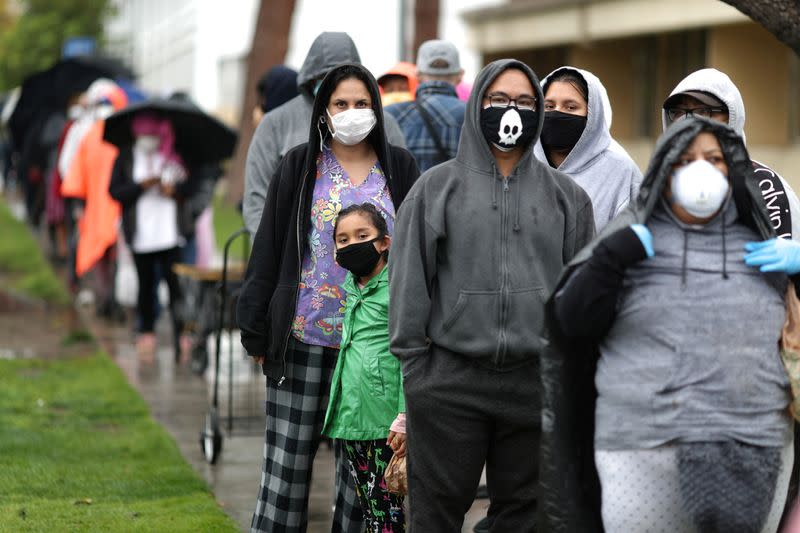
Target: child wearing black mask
[
  {"x": 576, "y": 140},
  {"x": 366, "y": 399}
]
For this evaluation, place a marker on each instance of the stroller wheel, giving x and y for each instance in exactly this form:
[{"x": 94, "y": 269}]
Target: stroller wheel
[
  {"x": 199, "y": 358},
  {"x": 211, "y": 437}
]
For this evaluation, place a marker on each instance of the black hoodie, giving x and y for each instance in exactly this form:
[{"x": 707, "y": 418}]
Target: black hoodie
[{"x": 267, "y": 304}]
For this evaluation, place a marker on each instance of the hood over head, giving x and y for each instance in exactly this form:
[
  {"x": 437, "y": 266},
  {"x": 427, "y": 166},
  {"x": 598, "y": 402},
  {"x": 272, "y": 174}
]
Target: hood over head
[
  {"x": 329, "y": 49},
  {"x": 672, "y": 143},
  {"x": 276, "y": 87},
  {"x": 377, "y": 137},
  {"x": 406, "y": 70},
  {"x": 712, "y": 81},
  {"x": 596, "y": 137},
  {"x": 473, "y": 150}
]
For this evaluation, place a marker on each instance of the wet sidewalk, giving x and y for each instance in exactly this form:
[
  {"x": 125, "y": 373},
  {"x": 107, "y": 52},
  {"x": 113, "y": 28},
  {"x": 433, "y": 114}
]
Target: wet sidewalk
[{"x": 179, "y": 400}]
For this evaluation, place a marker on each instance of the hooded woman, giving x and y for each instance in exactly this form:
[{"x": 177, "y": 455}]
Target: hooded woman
[
  {"x": 576, "y": 140},
  {"x": 291, "y": 307},
  {"x": 672, "y": 344}
]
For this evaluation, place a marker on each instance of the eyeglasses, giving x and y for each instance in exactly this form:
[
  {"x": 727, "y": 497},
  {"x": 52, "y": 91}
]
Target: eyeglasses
[
  {"x": 502, "y": 100},
  {"x": 677, "y": 113}
]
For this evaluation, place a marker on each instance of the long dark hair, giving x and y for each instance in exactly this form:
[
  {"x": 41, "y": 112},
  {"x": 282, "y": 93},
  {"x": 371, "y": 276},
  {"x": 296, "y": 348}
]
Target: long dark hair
[
  {"x": 573, "y": 77},
  {"x": 338, "y": 74}
]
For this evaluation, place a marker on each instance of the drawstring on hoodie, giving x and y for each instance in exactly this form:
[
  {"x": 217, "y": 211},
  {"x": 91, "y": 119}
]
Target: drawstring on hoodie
[
  {"x": 494, "y": 186},
  {"x": 685, "y": 253},
  {"x": 724, "y": 249},
  {"x": 516, "y": 215}
]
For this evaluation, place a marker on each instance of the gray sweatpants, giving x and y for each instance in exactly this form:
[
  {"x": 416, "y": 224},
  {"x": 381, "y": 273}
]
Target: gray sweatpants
[{"x": 461, "y": 416}]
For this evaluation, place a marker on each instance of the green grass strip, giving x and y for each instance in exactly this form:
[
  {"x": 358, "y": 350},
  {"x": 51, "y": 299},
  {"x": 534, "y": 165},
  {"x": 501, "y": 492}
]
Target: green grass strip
[
  {"x": 227, "y": 219},
  {"x": 79, "y": 451},
  {"x": 21, "y": 257}
]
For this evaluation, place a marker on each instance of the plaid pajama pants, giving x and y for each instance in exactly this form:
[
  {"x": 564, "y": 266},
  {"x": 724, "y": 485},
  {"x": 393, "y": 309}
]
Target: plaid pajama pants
[{"x": 295, "y": 414}]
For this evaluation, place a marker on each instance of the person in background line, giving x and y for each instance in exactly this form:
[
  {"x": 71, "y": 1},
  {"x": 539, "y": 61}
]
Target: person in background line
[
  {"x": 287, "y": 126},
  {"x": 86, "y": 183},
  {"x": 479, "y": 244},
  {"x": 399, "y": 84},
  {"x": 277, "y": 86},
  {"x": 576, "y": 140},
  {"x": 291, "y": 307},
  {"x": 432, "y": 122}
]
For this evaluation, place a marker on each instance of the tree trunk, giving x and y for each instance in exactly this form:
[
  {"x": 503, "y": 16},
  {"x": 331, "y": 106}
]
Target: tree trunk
[
  {"x": 780, "y": 17},
  {"x": 270, "y": 44},
  {"x": 426, "y": 23}
]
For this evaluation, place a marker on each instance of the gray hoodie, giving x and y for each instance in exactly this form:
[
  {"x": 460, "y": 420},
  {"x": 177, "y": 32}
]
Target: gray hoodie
[
  {"x": 476, "y": 255},
  {"x": 777, "y": 193},
  {"x": 597, "y": 163},
  {"x": 287, "y": 126}
]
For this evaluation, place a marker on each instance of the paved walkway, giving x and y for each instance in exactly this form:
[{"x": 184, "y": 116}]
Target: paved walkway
[{"x": 179, "y": 400}]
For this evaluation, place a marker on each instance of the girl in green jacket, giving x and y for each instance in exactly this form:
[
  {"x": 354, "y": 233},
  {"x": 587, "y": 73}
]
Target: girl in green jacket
[{"x": 366, "y": 400}]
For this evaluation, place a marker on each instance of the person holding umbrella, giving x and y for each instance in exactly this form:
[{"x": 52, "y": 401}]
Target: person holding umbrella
[{"x": 146, "y": 180}]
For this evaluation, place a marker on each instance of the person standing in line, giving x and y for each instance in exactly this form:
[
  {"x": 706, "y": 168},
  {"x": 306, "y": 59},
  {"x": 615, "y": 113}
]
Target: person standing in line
[
  {"x": 479, "y": 244},
  {"x": 576, "y": 140},
  {"x": 277, "y": 86},
  {"x": 291, "y": 308},
  {"x": 366, "y": 401},
  {"x": 696, "y": 436},
  {"x": 286, "y": 126},
  {"x": 432, "y": 122}
]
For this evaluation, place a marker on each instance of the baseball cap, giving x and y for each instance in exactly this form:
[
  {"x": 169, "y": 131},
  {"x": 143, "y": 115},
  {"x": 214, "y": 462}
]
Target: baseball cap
[
  {"x": 438, "y": 57},
  {"x": 704, "y": 98}
]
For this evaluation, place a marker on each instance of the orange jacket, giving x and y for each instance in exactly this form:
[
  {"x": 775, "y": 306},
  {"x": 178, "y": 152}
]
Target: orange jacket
[{"x": 87, "y": 179}]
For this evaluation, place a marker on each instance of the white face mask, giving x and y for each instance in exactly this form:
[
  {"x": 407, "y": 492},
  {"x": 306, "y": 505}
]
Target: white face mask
[
  {"x": 352, "y": 126},
  {"x": 700, "y": 188},
  {"x": 147, "y": 143}
]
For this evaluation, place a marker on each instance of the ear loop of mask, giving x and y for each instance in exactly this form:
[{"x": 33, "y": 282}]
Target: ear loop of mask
[{"x": 321, "y": 136}]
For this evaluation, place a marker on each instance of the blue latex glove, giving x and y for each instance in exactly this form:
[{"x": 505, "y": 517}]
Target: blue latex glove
[
  {"x": 645, "y": 237},
  {"x": 774, "y": 255}
]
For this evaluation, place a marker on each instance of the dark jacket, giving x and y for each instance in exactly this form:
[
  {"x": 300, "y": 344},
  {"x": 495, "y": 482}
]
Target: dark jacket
[
  {"x": 267, "y": 304},
  {"x": 570, "y": 489},
  {"x": 191, "y": 196}
]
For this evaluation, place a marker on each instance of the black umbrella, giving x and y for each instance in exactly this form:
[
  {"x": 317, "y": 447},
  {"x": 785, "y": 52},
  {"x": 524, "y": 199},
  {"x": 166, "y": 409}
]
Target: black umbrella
[
  {"x": 49, "y": 91},
  {"x": 199, "y": 137}
]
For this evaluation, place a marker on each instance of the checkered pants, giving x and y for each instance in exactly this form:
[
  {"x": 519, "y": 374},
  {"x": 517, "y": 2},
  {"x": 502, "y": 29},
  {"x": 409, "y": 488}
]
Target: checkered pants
[{"x": 295, "y": 414}]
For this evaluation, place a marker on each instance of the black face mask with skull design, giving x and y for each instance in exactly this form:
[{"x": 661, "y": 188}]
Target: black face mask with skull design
[{"x": 508, "y": 127}]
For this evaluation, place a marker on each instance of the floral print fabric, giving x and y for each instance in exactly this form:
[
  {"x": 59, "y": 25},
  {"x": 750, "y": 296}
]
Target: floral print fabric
[{"x": 321, "y": 297}]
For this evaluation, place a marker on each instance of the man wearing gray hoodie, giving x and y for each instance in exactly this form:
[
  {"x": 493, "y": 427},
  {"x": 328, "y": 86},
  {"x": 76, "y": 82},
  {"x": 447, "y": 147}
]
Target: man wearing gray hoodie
[
  {"x": 287, "y": 126},
  {"x": 479, "y": 244}
]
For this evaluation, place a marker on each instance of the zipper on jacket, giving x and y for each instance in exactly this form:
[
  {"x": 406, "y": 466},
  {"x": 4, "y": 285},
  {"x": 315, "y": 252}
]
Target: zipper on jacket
[
  {"x": 299, "y": 271},
  {"x": 501, "y": 341}
]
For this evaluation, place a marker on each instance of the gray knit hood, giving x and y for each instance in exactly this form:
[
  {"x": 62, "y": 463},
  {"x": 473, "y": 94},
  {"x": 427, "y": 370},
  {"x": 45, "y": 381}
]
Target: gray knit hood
[{"x": 329, "y": 49}]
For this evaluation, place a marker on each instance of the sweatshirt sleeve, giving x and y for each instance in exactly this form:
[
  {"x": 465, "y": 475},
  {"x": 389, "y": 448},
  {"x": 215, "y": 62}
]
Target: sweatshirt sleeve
[
  {"x": 586, "y": 305},
  {"x": 263, "y": 157},
  {"x": 122, "y": 190},
  {"x": 263, "y": 269},
  {"x": 412, "y": 268},
  {"x": 581, "y": 233}
]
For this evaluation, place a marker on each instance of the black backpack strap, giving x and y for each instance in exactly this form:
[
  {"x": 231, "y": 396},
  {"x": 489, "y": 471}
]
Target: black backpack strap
[{"x": 426, "y": 118}]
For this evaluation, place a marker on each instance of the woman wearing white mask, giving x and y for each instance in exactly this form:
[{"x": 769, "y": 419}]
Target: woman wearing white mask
[
  {"x": 292, "y": 303},
  {"x": 691, "y": 428}
]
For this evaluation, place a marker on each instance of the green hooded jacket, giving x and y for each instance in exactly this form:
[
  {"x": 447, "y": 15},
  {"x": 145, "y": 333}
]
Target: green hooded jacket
[{"x": 367, "y": 385}]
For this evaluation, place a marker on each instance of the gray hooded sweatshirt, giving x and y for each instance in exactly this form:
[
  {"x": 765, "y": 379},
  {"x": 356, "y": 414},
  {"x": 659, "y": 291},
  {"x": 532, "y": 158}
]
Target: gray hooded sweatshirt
[
  {"x": 597, "y": 163},
  {"x": 476, "y": 255},
  {"x": 287, "y": 126},
  {"x": 777, "y": 193}
]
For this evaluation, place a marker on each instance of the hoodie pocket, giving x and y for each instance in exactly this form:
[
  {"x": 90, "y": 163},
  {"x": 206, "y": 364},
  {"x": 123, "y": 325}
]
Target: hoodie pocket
[
  {"x": 473, "y": 322},
  {"x": 525, "y": 320}
]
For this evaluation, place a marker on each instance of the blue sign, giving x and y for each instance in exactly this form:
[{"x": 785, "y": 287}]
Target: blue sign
[{"x": 78, "y": 46}]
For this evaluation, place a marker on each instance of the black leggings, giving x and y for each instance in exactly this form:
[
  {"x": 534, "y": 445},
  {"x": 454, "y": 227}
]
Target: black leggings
[{"x": 146, "y": 271}]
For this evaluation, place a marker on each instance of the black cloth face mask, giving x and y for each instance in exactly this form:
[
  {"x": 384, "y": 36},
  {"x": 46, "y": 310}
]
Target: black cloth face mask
[
  {"x": 508, "y": 127},
  {"x": 561, "y": 131},
  {"x": 359, "y": 258}
]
